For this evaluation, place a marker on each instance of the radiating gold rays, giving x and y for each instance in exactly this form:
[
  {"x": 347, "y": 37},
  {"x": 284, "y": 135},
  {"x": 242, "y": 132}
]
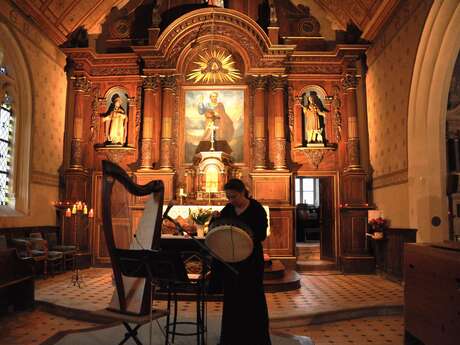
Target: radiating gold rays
[{"x": 215, "y": 66}]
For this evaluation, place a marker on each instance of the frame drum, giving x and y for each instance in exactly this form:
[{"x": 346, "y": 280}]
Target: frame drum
[{"x": 230, "y": 239}]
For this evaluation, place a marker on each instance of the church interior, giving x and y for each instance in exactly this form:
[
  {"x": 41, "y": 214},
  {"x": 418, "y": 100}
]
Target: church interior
[{"x": 122, "y": 121}]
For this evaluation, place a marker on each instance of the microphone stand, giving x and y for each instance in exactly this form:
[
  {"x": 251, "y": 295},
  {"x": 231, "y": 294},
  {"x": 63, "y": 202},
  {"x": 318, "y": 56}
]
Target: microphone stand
[{"x": 202, "y": 246}]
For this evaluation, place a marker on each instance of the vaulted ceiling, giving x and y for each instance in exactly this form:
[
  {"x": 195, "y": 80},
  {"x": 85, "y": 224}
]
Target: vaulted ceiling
[{"x": 59, "y": 18}]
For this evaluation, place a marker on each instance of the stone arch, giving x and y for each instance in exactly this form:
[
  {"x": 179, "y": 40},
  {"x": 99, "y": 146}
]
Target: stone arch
[
  {"x": 21, "y": 88},
  {"x": 434, "y": 64}
]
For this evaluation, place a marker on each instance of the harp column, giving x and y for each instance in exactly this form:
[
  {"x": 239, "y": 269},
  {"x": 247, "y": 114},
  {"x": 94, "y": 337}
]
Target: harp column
[
  {"x": 259, "y": 84},
  {"x": 81, "y": 86},
  {"x": 169, "y": 85},
  {"x": 277, "y": 88},
  {"x": 151, "y": 117}
]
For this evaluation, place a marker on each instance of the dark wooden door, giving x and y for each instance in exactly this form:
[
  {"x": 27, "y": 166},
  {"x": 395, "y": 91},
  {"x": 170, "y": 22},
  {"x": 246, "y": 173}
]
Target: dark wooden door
[{"x": 327, "y": 221}]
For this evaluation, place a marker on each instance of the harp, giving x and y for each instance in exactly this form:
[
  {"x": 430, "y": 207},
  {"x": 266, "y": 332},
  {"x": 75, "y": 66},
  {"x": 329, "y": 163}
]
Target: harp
[{"x": 133, "y": 291}]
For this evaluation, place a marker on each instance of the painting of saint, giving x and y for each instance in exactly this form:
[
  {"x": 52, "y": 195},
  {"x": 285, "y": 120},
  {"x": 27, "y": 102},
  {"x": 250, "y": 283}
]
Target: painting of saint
[{"x": 214, "y": 113}]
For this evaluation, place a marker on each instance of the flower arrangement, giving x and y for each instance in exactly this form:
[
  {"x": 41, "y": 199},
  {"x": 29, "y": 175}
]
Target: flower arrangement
[
  {"x": 200, "y": 216},
  {"x": 378, "y": 224}
]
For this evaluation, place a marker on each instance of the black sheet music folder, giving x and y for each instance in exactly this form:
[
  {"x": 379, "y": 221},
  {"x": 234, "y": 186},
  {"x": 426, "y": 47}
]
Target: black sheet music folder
[{"x": 158, "y": 265}]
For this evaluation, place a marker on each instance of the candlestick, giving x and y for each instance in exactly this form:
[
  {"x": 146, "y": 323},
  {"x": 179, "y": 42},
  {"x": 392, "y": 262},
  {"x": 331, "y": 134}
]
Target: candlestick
[
  {"x": 68, "y": 213},
  {"x": 74, "y": 209},
  {"x": 91, "y": 213},
  {"x": 85, "y": 209}
]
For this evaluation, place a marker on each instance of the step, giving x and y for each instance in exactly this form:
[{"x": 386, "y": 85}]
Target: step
[
  {"x": 274, "y": 271},
  {"x": 305, "y": 248},
  {"x": 316, "y": 265}
]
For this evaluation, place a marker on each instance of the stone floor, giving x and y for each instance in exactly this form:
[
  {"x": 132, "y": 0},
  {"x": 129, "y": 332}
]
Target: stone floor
[{"x": 323, "y": 297}]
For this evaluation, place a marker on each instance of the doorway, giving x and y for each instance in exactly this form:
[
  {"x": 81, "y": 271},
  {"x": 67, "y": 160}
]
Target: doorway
[{"x": 315, "y": 218}]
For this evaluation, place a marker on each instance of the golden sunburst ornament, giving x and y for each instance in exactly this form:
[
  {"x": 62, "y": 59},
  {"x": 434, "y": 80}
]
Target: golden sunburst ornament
[{"x": 215, "y": 66}]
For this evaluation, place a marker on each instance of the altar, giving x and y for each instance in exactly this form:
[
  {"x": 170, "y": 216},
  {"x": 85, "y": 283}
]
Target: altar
[{"x": 185, "y": 210}]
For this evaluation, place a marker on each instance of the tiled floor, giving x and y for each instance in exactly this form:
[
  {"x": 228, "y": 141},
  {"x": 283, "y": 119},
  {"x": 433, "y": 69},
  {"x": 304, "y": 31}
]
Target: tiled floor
[
  {"x": 35, "y": 327},
  {"x": 321, "y": 292},
  {"x": 380, "y": 330}
]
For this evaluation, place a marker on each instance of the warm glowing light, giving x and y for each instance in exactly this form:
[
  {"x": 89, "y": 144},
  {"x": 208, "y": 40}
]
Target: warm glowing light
[
  {"x": 68, "y": 213},
  {"x": 215, "y": 66}
]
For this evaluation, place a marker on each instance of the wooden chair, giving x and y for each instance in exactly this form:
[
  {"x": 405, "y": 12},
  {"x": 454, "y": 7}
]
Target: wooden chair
[
  {"x": 68, "y": 251},
  {"x": 54, "y": 259},
  {"x": 27, "y": 251}
]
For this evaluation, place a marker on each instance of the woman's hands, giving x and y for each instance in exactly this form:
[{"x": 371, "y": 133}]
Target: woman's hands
[{"x": 215, "y": 214}]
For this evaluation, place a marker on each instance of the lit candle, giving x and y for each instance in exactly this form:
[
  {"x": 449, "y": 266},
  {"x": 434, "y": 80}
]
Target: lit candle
[
  {"x": 79, "y": 206},
  {"x": 91, "y": 213},
  {"x": 85, "y": 209},
  {"x": 181, "y": 191},
  {"x": 68, "y": 213},
  {"x": 74, "y": 209}
]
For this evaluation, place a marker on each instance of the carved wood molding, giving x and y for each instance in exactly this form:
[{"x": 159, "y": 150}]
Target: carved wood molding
[
  {"x": 315, "y": 154},
  {"x": 210, "y": 18},
  {"x": 115, "y": 153},
  {"x": 336, "y": 108}
]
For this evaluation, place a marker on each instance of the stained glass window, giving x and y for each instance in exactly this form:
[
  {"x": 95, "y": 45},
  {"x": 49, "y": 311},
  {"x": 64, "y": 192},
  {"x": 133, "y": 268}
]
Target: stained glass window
[{"x": 6, "y": 146}]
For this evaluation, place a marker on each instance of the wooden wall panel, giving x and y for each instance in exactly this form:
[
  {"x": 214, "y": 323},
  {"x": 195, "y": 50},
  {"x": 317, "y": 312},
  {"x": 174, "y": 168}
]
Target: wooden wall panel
[
  {"x": 272, "y": 188},
  {"x": 281, "y": 239},
  {"x": 431, "y": 293}
]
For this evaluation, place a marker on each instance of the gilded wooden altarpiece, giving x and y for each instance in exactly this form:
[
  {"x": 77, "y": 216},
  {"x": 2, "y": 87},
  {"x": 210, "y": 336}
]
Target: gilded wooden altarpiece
[{"x": 273, "y": 77}]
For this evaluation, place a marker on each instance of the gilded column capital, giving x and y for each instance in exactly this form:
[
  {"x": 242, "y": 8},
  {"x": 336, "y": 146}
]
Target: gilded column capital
[
  {"x": 151, "y": 83},
  {"x": 81, "y": 84},
  {"x": 258, "y": 82},
  {"x": 349, "y": 81},
  {"x": 278, "y": 82},
  {"x": 169, "y": 82}
]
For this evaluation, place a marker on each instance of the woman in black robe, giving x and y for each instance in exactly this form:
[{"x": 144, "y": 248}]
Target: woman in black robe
[{"x": 245, "y": 314}]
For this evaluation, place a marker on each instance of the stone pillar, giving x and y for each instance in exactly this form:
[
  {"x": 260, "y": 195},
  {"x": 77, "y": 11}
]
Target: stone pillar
[
  {"x": 277, "y": 85},
  {"x": 167, "y": 109},
  {"x": 81, "y": 85},
  {"x": 349, "y": 83},
  {"x": 258, "y": 85},
  {"x": 150, "y": 114}
]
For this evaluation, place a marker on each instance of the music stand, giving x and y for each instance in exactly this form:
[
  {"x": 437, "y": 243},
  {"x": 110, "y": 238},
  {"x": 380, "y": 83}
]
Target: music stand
[{"x": 156, "y": 267}]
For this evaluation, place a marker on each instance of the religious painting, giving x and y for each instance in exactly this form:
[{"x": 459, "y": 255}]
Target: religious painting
[
  {"x": 115, "y": 119},
  {"x": 312, "y": 101},
  {"x": 214, "y": 120}
]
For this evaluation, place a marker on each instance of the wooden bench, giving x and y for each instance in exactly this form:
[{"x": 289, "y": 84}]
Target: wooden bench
[{"x": 16, "y": 282}]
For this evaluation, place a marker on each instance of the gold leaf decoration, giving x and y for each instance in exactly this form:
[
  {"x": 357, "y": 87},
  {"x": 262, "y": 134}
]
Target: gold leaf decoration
[{"x": 214, "y": 66}]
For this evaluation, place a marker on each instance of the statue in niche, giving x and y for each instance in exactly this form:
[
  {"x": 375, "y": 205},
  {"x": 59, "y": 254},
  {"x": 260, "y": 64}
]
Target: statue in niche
[
  {"x": 115, "y": 122},
  {"x": 314, "y": 117}
]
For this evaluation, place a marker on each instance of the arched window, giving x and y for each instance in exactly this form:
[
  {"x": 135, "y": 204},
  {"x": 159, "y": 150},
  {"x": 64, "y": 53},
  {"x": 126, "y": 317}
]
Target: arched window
[{"x": 7, "y": 134}]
